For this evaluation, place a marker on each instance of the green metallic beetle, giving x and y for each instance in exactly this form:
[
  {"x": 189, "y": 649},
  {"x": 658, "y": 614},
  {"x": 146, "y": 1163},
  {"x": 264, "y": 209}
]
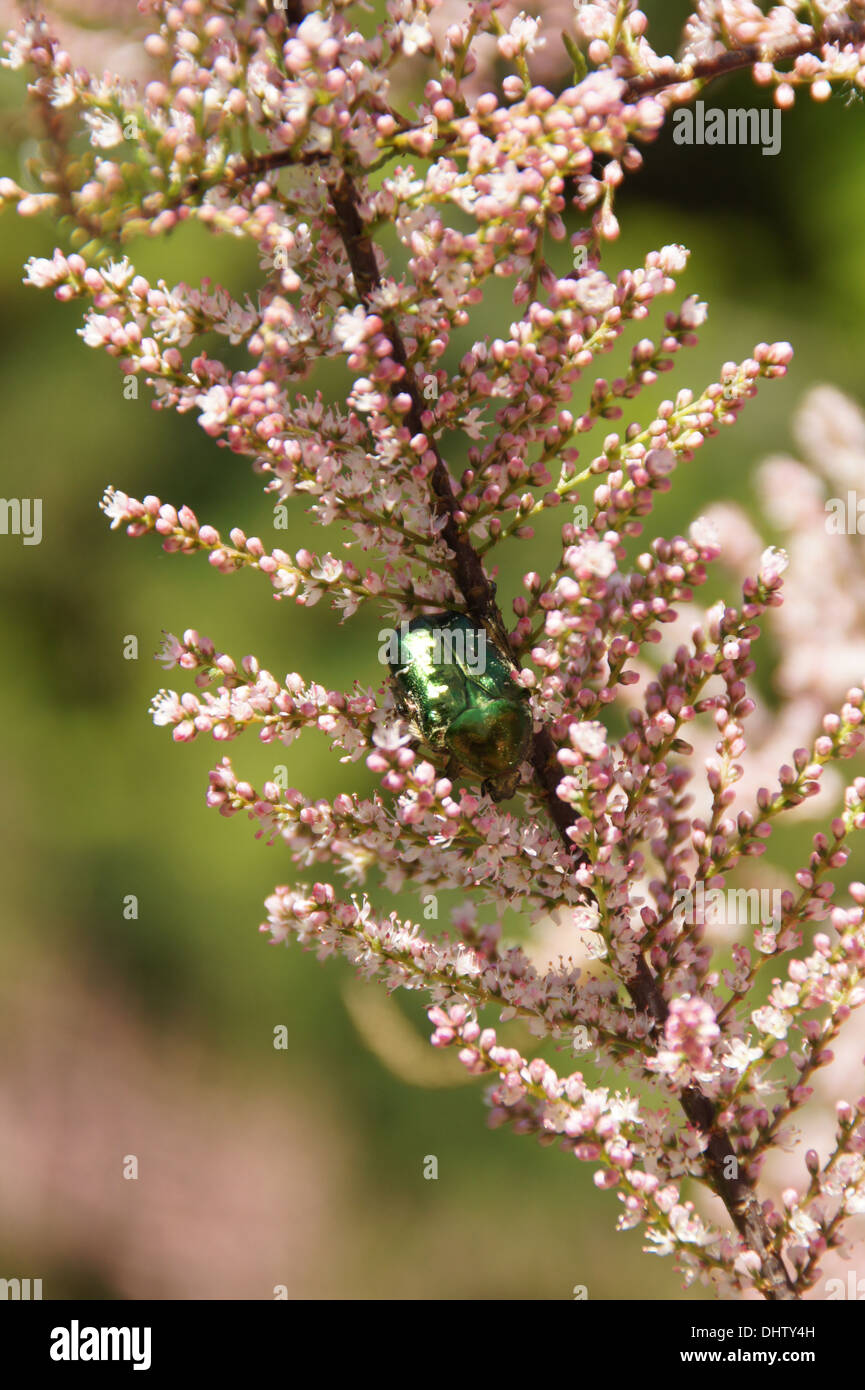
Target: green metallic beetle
[{"x": 453, "y": 685}]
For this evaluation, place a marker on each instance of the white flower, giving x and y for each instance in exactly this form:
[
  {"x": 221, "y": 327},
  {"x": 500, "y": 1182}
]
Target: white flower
[
  {"x": 117, "y": 274},
  {"x": 365, "y": 397},
  {"x": 165, "y": 707},
  {"x": 415, "y": 36},
  {"x": 802, "y": 1225},
  {"x": 63, "y": 92},
  {"x": 661, "y": 1243},
  {"x": 391, "y": 735},
  {"x": 21, "y": 45},
  {"x": 314, "y": 31},
  {"x": 747, "y": 1262},
  {"x": 590, "y": 737},
  {"x": 170, "y": 651},
  {"x": 556, "y": 1116},
  {"x": 350, "y": 328},
  {"x": 236, "y": 323},
  {"x": 693, "y": 312},
  {"x": 595, "y": 557},
  {"x": 41, "y": 273},
  {"x": 773, "y": 563},
  {"x": 594, "y": 293},
  {"x": 505, "y": 185},
  {"x": 625, "y": 1110},
  {"x": 785, "y": 996},
  {"x": 688, "y": 1227},
  {"x": 114, "y": 506},
  {"x": 854, "y": 1201},
  {"x": 673, "y": 258},
  {"x": 97, "y": 330},
  {"x": 172, "y": 323},
  {"x": 739, "y": 1055},
  {"x": 403, "y": 187},
  {"x": 524, "y": 32},
  {"x": 214, "y": 405},
  {"x": 771, "y": 1021},
  {"x": 328, "y": 569},
  {"x": 472, "y": 423},
  {"x": 592, "y": 21},
  {"x": 466, "y": 962},
  {"x": 453, "y": 281}
]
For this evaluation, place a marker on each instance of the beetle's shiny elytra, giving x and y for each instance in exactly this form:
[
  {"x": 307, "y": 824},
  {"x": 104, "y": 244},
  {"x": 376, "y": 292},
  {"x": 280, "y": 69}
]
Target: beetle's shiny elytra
[{"x": 455, "y": 687}]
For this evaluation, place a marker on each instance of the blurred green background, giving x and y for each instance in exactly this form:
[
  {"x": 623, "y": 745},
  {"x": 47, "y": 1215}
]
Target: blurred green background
[{"x": 154, "y": 1037}]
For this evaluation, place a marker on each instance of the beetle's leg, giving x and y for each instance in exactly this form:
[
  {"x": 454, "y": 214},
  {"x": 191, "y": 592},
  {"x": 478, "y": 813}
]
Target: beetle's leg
[{"x": 501, "y": 788}]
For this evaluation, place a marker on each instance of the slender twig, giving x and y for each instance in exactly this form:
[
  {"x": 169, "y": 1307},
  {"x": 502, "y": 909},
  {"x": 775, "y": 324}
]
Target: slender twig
[
  {"x": 707, "y": 69},
  {"x": 477, "y": 589}
]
